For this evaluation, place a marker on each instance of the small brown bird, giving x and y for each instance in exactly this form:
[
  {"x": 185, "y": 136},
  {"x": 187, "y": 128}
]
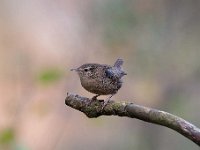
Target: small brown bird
[{"x": 101, "y": 79}]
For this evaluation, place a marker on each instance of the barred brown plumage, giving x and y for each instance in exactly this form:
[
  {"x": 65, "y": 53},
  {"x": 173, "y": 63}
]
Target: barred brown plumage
[{"x": 101, "y": 79}]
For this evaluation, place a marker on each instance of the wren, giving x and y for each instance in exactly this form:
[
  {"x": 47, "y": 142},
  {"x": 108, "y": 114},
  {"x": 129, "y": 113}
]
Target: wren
[{"x": 101, "y": 79}]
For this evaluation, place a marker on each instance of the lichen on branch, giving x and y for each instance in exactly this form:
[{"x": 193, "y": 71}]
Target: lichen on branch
[{"x": 95, "y": 108}]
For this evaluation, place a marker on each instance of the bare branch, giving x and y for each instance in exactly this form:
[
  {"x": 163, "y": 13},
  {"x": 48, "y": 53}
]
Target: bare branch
[{"x": 93, "y": 109}]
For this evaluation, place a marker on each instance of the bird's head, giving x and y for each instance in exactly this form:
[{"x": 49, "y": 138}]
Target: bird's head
[{"x": 85, "y": 70}]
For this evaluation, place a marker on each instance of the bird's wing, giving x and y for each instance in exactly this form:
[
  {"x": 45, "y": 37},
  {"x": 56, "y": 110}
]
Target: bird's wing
[
  {"x": 114, "y": 73},
  {"x": 109, "y": 73}
]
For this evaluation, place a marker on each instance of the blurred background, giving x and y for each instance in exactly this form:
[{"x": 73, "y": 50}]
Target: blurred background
[{"x": 41, "y": 40}]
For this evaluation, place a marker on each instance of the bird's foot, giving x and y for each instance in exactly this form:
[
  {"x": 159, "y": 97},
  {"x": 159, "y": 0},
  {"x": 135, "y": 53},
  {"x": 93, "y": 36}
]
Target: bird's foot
[
  {"x": 105, "y": 103},
  {"x": 95, "y": 97}
]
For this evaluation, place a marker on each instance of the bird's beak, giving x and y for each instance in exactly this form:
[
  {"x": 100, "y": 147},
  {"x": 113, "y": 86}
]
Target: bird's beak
[
  {"x": 74, "y": 69},
  {"x": 125, "y": 73}
]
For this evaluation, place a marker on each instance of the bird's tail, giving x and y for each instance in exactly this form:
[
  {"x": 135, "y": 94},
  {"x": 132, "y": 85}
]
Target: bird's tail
[{"x": 119, "y": 62}]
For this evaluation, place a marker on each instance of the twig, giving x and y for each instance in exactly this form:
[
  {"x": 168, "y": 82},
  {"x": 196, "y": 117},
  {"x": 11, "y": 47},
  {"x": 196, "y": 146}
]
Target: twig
[{"x": 93, "y": 109}]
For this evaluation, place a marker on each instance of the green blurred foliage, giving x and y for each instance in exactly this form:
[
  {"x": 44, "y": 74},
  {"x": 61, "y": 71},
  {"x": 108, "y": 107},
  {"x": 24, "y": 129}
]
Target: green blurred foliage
[
  {"x": 117, "y": 20},
  {"x": 20, "y": 147},
  {"x": 7, "y": 136},
  {"x": 49, "y": 76}
]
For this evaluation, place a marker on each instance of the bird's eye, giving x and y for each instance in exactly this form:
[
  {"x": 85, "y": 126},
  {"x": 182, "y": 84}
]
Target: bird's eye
[
  {"x": 92, "y": 68},
  {"x": 85, "y": 69}
]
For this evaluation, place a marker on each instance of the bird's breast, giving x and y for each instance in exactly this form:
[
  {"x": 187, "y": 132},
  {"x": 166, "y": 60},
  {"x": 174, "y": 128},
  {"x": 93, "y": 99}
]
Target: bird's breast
[{"x": 102, "y": 86}]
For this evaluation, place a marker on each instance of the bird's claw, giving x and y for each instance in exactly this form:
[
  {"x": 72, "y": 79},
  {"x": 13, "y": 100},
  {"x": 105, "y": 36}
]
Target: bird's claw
[
  {"x": 95, "y": 97},
  {"x": 105, "y": 103}
]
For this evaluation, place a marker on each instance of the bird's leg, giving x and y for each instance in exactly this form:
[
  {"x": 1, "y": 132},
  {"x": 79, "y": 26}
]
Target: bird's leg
[
  {"x": 107, "y": 101},
  {"x": 95, "y": 97}
]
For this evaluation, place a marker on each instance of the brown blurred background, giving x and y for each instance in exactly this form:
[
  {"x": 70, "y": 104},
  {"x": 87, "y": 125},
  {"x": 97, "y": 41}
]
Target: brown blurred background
[{"x": 41, "y": 40}]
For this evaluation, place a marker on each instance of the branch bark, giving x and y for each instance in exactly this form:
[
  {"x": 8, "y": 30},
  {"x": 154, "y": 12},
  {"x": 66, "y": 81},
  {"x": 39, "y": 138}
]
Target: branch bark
[{"x": 93, "y": 109}]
